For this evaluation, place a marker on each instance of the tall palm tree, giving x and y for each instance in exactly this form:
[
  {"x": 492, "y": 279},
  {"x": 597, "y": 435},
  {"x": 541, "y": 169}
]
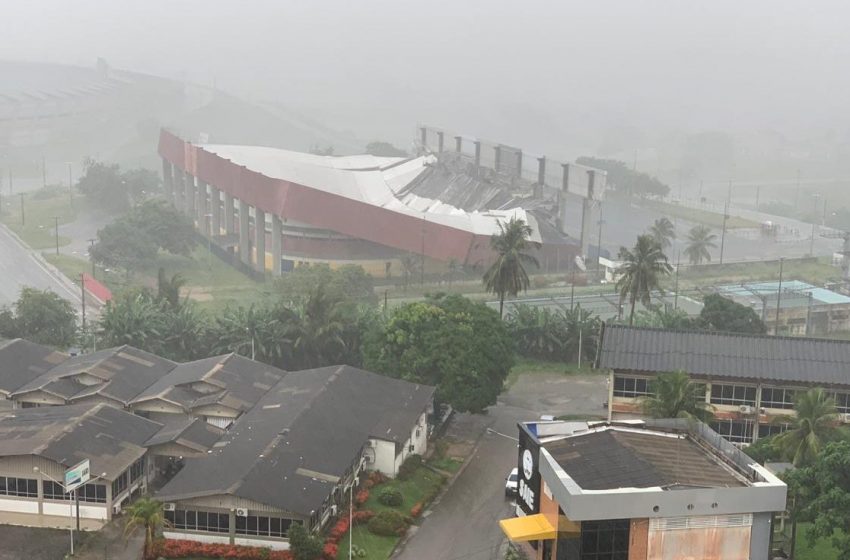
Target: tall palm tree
[
  {"x": 700, "y": 240},
  {"x": 675, "y": 396},
  {"x": 663, "y": 231},
  {"x": 146, "y": 514},
  {"x": 815, "y": 424},
  {"x": 316, "y": 329},
  {"x": 508, "y": 275},
  {"x": 642, "y": 269}
]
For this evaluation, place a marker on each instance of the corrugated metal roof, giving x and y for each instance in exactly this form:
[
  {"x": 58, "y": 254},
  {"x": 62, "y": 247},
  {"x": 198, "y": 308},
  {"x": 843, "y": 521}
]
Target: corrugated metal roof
[{"x": 717, "y": 354}]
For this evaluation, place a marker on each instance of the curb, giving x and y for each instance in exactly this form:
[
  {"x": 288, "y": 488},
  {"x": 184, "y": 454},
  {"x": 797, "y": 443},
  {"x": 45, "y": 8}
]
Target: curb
[{"x": 399, "y": 547}]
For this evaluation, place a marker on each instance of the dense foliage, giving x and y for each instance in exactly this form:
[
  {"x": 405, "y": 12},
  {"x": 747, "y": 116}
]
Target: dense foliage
[
  {"x": 722, "y": 314},
  {"x": 674, "y": 395},
  {"x": 108, "y": 187},
  {"x": 700, "y": 240},
  {"x": 461, "y": 347},
  {"x": 554, "y": 334},
  {"x": 40, "y": 316},
  {"x": 302, "y": 544},
  {"x": 624, "y": 180}
]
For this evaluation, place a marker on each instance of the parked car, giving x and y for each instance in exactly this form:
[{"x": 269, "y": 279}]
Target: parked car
[{"x": 511, "y": 482}]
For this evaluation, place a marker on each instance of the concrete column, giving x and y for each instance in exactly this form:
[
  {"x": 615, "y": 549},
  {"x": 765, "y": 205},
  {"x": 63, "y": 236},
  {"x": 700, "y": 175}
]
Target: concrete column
[
  {"x": 423, "y": 136},
  {"x": 167, "y": 178},
  {"x": 260, "y": 236},
  {"x": 190, "y": 194},
  {"x": 229, "y": 209},
  {"x": 244, "y": 233},
  {"x": 591, "y": 183},
  {"x": 541, "y": 170},
  {"x": 201, "y": 209},
  {"x": 440, "y": 142},
  {"x": 277, "y": 243},
  {"x": 565, "y": 178},
  {"x": 497, "y": 151},
  {"x": 519, "y": 164},
  {"x": 478, "y": 153},
  {"x": 458, "y": 143},
  {"x": 215, "y": 210}
]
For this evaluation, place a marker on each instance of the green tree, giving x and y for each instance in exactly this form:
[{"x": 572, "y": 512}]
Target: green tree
[
  {"x": 133, "y": 318},
  {"x": 722, "y": 314},
  {"x": 507, "y": 275},
  {"x": 812, "y": 427},
  {"x": 145, "y": 514},
  {"x": 42, "y": 317},
  {"x": 558, "y": 334},
  {"x": 108, "y": 187},
  {"x": 304, "y": 546},
  {"x": 582, "y": 334},
  {"x": 168, "y": 289},
  {"x": 170, "y": 229},
  {"x": 675, "y": 396},
  {"x": 663, "y": 232},
  {"x": 122, "y": 245},
  {"x": 384, "y": 149},
  {"x": 642, "y": 269},
  {"x": 700, "y": 240},
  {"x": 461, "y": 347},
  {"x": 665, "y": 318},
  {"x": 254, "y": 332},
  {"x": 316, "y": 329},
  {"x": 822, "y": 494},
  {"x": 140, "y": 183},
  {"x": 622, "y": 179}
]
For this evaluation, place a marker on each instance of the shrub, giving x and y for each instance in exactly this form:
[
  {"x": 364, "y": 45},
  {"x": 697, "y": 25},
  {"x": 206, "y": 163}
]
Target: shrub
[
  {"x": 330, "y": 551},
  {"x": 377, "y": 477},
  {"x": 338, "y": 530},
  {"x": 362, "y": 516},
  {"x": 390, "y": 497},
  {"x": 410, "y": 465},
  {"x": 192, "y": 549},
  {"x": 388, "y": 523},
  {"x": 361, "y": 497}
]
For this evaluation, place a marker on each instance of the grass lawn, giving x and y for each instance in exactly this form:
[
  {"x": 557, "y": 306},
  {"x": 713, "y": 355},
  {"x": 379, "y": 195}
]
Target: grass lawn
[
  {"x": 40, "y": 207},
  {"x": 814, "y": 271},
  {"x": 447, "y": 464},
  {"x": 822, "y": 549},
  {"x": 376, "y": 546},
  {"x": 705, "y": 217},
  {"x": 531, "y": 366}
]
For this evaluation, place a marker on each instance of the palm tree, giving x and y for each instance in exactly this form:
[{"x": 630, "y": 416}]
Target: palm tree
[
  {"x": 675, "y": 396},
  {"x": 316, "y": 329},
  {"x": 168, "y": 289},
  {"x": 663, "y": 232},
  {"x": 641, "y": 271},
  {"x": 146, "y": 514},
  {"x": 700, "y": 240},
  {"x": 815, "y": 424},
  {"x": 507, "y": 275}
]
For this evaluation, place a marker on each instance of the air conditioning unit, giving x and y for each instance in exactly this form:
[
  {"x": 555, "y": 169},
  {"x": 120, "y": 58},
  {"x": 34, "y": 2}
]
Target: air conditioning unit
[
  {"x": 168, "y": 507},
  {"x": 746, "y": 409},
  {"x": 241, "y": 512}
]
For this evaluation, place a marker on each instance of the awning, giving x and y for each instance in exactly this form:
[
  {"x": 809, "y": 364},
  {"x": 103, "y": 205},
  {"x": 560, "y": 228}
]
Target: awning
[{"x": 528, "y": 528}]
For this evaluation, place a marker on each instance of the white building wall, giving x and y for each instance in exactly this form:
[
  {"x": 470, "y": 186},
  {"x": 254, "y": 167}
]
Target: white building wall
[
  {"x": 274, "y": 545},
  {"x": 385, "y": 457},
  {"x": 23, "y": 505},
  {"x": 198, "y": 537}
]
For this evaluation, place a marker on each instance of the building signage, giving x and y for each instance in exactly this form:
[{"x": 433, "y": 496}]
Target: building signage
[
  {"x": 528, "y": 487},
  {"x": 76, "y": 476}
]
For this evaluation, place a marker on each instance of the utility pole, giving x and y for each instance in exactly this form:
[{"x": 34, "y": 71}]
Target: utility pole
[
  {"x": 70, "y": 184},
  {"x": 676, "y": 288},
  {"x": 56, "y": 231},
  {"x": 778, "y": 297},
  {"x": 599, "y": 240},
  {"x": 723, "y": 233}
]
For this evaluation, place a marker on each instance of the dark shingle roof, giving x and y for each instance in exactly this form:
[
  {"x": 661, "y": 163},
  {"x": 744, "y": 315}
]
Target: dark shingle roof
[
  {"x": 732, "y": 355},
  {"x": 110, "y": 438},
  {"x": 21, "y": 361},
  {"x": 123, "y": 373},
  {"x": 610, "y": 459},
  {"x": 313, "y": 422},
  {"x": 194, "y": 433}
]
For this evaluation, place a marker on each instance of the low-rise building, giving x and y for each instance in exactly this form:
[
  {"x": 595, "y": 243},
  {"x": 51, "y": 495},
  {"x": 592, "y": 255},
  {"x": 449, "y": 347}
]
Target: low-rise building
[
  {"x": 750, "y": 381},
  {"x": 640, "y": 491},
  {"x": 296, "y": 454},
  {"x": 21, "y": 361},
  {"x": 37, "y": 446}
]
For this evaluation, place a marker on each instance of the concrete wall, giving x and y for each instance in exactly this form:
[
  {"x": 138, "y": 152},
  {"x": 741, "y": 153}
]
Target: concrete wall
[{"x": 710, "y": 543}]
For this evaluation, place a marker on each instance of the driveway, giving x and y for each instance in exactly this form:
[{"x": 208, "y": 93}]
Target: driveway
[{"x": 465, "y": 522}]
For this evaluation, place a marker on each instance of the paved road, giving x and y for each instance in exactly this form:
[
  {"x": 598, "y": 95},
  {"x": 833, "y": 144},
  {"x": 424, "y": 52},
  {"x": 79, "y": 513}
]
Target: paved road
[
  {"x": 464, "y": 524},
  {"x": 19, "y": 268}
]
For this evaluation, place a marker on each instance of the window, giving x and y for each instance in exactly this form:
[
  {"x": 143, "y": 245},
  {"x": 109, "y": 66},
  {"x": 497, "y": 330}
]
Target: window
[
  {"x": 631, "y": 387},
  {"x": 119, "y": 484},
  {"x": 766, "y": 430},
  {"x": 53, "y": 491},
  {"x": 733, "y": 394},
  {"x": 137, "y": 469},
  {"x": 95, "y": 493},
  {"x": 734, "y": 431},
  {"x": 262, "y": 525},
  {"x": 23, "y": 487},
  {"x": 777, "y": 398},
  {"x": 191, "y": 520},
  {"x": 842, "y": 402},
  {"x": 605, "y": 540}
]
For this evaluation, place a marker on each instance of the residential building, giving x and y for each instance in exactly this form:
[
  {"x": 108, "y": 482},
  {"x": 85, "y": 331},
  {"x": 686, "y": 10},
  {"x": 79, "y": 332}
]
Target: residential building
[
  {"x": 750, "y": 381},
  {"x": 803, "y": 309},
  {"x": 37, "y": 445},
  {"x": 296, "y": 454},
  {"x": 638, "y": 490}
]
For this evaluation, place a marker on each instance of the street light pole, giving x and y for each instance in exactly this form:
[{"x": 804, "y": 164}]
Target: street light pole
[
  {"x": 70, "y": 184},
  {"x": 56, "y": 230},
  {"x": 778, "y": 297},
  {"x": 70, "y": 502},
  {"x": 723, "y": 233},
  {"x": 23, "y": 217}
]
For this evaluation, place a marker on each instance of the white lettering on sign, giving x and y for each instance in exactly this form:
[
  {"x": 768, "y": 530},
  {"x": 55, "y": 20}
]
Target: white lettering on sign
[{"x": 526, "y": 494}]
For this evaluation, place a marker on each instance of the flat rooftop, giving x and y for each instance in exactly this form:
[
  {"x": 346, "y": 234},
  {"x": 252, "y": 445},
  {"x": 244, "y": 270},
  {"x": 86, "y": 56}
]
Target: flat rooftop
[
  {"x": 611, "y": 457},
  {"x": 794, "y": 293}
]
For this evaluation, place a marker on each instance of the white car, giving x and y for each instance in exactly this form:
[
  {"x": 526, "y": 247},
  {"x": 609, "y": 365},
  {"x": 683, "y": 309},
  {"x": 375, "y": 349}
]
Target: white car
[{"x": 511, "y": 482}]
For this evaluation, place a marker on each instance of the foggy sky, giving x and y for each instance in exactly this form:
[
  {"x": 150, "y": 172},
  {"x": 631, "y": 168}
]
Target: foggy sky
[{"x": 542, "y": 75}]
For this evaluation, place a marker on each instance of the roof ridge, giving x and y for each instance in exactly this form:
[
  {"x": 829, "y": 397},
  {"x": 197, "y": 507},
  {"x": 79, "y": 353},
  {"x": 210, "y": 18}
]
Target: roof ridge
[{"x": 726, "y": 333}]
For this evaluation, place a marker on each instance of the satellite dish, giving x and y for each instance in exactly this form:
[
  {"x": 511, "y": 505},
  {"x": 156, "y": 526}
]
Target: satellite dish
[{"x": 580, "y": 264}]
